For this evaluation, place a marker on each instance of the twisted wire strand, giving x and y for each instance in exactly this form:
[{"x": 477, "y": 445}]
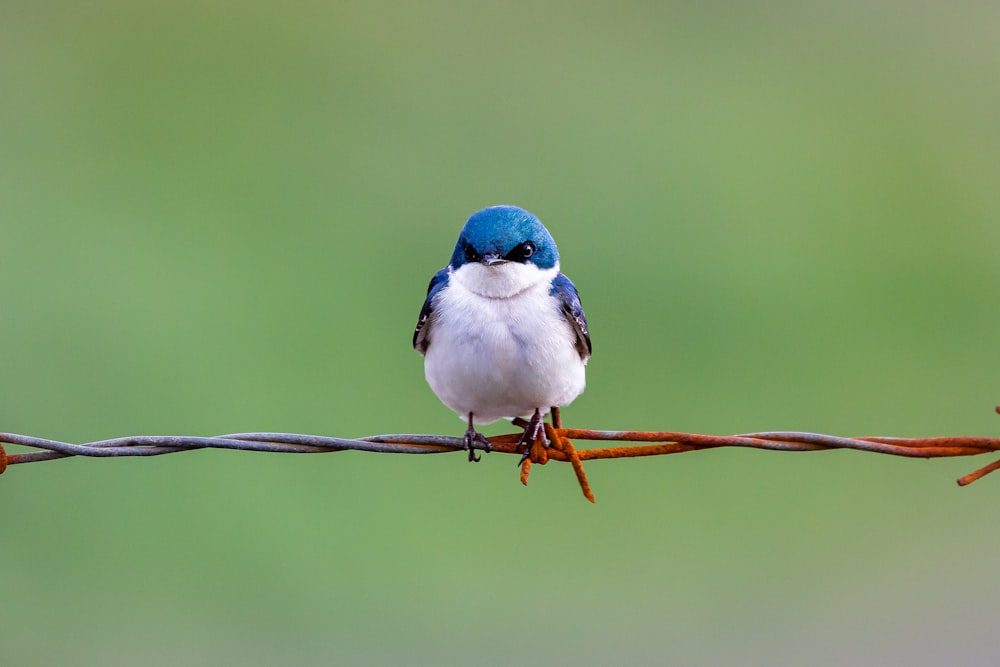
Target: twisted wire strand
[
  {"x": 556, "y": 444},
  {"x": 282, "y": 443}
]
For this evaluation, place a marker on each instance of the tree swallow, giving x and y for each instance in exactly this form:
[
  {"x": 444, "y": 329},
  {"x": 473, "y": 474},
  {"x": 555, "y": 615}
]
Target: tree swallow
[{"x": 502, "y": 331}]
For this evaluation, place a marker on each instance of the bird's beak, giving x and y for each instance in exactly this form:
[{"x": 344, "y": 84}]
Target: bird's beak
[{"x": 491, "y": 258}]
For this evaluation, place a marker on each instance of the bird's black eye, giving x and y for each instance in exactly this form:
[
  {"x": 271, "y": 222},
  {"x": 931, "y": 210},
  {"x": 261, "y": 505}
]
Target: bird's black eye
[
  {"x": 521, "y": 252},
  {"x": 470, "y": 253}
]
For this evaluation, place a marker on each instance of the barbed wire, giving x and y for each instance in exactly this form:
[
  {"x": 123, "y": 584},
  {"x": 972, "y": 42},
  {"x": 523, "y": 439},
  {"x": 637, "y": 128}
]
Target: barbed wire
[{"x": 559, "y": 446}]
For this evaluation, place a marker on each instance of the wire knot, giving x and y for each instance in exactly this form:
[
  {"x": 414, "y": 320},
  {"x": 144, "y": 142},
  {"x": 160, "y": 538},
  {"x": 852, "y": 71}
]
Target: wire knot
[{"x": 560, "y": 448}]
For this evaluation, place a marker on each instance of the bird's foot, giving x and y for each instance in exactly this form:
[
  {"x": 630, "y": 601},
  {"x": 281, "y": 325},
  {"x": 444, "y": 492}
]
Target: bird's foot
[
  {"x": 475, "y": 440},
  {"x": 534, "y": 430}
]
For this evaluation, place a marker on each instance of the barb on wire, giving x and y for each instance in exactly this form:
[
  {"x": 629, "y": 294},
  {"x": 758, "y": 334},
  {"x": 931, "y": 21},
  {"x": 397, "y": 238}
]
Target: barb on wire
[{"x": 560, "y": 446}]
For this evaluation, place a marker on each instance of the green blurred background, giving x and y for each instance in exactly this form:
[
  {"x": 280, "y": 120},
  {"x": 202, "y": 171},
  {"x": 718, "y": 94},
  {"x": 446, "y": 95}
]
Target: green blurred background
[{"x": 222, "y": 216}]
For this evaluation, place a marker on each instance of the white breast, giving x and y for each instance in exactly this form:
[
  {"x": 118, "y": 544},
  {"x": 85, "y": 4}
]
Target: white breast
[{"x": 502, "y": 356}]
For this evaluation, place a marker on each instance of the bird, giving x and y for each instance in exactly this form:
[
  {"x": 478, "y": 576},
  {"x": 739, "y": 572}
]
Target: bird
[{"x": 502, "y": 331}]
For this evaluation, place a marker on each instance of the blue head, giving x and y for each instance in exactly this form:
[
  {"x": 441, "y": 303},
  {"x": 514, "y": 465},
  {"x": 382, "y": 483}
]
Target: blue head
[{"x": 501, "y": 234}]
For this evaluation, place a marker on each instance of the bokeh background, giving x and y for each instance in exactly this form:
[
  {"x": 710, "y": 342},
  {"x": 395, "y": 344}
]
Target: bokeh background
[{"x": 221, "y": 216}]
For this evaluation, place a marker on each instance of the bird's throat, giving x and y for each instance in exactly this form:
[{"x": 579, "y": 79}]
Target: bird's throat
[{"x": 502, "y": 281}]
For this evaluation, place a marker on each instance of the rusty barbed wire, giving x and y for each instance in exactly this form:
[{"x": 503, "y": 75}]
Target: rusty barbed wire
[{"x": 560, "y": 446}]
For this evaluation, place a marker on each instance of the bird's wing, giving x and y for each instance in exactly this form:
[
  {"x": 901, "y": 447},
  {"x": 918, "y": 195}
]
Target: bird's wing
[
  {"x": 569, "y": 300},
  {"x": 421, "y": 334}
]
